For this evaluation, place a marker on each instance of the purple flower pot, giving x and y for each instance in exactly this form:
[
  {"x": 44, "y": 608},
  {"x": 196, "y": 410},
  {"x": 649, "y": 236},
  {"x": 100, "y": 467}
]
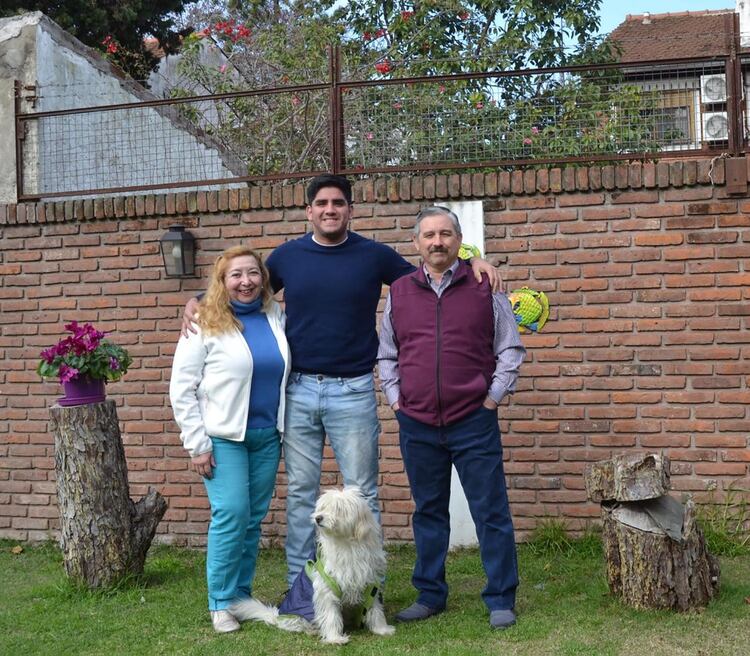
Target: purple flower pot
[{"x": 81, "y": 391}]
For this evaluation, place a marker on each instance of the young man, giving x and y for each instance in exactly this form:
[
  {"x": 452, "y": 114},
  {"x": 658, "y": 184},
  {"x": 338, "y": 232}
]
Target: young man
[
  {"x": 332, "y": 280},
  {"x": 449, "y": 353}
]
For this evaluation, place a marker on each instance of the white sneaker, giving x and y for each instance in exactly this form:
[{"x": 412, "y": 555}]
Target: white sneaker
[{"x": 224, "y": 621}]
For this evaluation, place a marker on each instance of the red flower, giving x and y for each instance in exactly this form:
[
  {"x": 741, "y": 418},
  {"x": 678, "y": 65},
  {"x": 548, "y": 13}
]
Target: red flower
[
  {"x": 367, "y": 36},
  {"x": 110, "y": 44},
  {"x": 463, "y": 15},
  {"x": 383, "y": 67},
  {"x": 406, "y": 15},
  {"x": 380, "y": 32}
]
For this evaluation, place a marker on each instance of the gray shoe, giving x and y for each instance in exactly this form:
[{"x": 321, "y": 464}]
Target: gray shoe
[
  {"x": 502, "y": 619},
  {"x": 224, "y": 621},
  {"x": 417, "y": 612}
]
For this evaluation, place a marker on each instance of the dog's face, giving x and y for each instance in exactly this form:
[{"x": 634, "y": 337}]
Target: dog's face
[{"x": 344, "y": 514}]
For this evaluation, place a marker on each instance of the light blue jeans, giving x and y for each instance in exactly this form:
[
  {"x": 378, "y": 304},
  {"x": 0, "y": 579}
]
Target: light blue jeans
[
  {"x": 240, "y": 493},
  {"x": 345, "y": 409}
]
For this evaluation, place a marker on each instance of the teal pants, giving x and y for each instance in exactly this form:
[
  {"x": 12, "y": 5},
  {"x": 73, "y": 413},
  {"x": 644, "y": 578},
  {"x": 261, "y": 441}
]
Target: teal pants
[{"x": 240, "y": 493}]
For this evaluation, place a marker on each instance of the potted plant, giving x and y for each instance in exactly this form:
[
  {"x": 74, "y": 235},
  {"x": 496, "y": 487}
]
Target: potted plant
[{"x": 83, "y": 362}]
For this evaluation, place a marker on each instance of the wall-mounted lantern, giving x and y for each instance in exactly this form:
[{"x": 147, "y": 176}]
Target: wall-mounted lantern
[{"x": 178, "y": 251}]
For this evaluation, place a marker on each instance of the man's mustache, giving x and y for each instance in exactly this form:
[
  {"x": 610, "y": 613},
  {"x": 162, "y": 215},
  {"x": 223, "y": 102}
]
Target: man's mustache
[{"x": 438, "y": 249}]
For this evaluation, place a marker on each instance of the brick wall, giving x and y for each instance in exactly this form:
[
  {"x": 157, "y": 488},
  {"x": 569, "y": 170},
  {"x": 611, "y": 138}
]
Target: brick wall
[{"x": 647, "y": 268}]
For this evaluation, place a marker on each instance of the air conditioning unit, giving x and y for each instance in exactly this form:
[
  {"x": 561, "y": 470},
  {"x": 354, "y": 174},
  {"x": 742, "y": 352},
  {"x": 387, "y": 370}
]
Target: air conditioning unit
[
  {"x": 715, "y": 126},
  {"x": 713, "y": 88}
]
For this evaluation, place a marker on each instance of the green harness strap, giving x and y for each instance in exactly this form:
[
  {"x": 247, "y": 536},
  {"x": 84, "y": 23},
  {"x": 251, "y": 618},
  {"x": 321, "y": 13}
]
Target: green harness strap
[
  {"x": 371, "y": 591},
  {"x": 317, "y": 566}
]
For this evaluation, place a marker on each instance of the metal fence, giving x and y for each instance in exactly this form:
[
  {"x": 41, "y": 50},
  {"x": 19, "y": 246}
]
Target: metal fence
[{"x": 362, "y": 126}]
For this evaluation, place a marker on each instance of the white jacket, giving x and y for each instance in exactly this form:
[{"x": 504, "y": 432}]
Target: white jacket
[{"x": 210, "y": 385}]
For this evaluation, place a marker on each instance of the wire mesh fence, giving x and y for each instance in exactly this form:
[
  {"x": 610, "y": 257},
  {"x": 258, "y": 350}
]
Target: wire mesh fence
[{"x": 460, "y": 121}]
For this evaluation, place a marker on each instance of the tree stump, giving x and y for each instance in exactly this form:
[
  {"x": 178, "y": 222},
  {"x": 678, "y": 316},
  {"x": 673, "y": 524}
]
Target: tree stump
[
  {"x": 104, "y": 534},
  {"x": 632, "y": 477},
  {"x": 655, "y": 553}
]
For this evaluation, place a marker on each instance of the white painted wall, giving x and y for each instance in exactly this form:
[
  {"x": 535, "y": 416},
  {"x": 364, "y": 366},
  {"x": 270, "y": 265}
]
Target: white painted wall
[
  {"x": 99, "y": 149},
  {"x": 7, "y": 142},
  {"x": 742, "y": 7},
  {"x": 470, "y": 214}
]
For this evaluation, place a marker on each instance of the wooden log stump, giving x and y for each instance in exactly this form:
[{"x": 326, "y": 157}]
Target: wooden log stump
[
  {"x": 647, "y": 568},
  {"x": 655, "y": 552},
  {"x": 104, "y": 534},
  {"x": 632, "y": 477}
]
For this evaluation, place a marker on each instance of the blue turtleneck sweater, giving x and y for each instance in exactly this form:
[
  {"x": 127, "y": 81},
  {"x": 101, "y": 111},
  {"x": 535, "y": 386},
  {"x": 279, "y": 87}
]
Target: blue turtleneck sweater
[{"x": 268, "y": 365}]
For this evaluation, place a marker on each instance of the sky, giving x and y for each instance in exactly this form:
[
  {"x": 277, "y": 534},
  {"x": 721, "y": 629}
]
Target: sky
[{"x": 613, "y": 12}]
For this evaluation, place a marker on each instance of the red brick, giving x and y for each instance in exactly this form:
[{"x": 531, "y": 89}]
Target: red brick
[
  {"x": 634, "y": 197},
  {"x": 726, "y": 207},
  {"x": 661, "y": 239},
  {"x": 664, "y": 441},
  {"x": 720, "y": 469}
]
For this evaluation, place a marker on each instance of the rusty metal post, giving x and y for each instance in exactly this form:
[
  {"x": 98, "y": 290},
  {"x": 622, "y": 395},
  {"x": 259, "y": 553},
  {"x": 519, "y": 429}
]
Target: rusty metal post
[
  {"x": 336, "y": 119},
  {"x": 20, "y": 130},
  {"x": 733, "y": 73}
]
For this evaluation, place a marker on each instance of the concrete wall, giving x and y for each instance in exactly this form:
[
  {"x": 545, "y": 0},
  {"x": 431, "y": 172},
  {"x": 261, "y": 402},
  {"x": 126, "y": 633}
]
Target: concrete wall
[
  {"x": 7, "y": 142},
  {"x": 647, "y": 267},
  {"x": 100, "y": 149}
]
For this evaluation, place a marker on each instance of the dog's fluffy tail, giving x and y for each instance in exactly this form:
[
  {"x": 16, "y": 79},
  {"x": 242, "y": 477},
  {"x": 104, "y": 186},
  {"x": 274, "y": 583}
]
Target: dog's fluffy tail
[{"x": 252, "y": 609}]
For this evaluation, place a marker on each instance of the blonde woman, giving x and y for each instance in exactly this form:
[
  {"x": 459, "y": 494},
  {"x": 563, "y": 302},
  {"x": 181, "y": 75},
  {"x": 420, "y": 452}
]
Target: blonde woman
[{"x": 227, "y": 394}]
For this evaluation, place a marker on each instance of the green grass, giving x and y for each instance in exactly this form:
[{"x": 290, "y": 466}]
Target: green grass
[
  {"x": 726, "y": 522},
  {"x": 563, "y": 608}
]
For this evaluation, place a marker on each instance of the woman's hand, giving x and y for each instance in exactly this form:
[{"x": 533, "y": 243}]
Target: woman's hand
[
  {"x": 203, "y": 464},
  {"x": 189, "y": 316}
]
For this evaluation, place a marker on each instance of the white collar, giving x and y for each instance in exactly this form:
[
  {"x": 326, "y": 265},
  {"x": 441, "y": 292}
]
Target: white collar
[{"x": 331, "y": 245}]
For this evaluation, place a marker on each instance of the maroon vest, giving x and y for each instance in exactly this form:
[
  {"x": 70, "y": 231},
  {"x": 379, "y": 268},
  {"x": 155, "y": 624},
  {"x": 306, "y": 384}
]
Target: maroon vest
[{"x": 445, "y": 345}]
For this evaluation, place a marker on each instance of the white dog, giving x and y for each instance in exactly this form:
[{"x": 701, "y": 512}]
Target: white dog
[{"x": 344, "y": 577}]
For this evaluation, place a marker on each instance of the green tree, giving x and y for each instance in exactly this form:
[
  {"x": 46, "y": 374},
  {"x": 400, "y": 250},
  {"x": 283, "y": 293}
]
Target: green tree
[
  {"x": 118, "y": 27},
  {"x": 260, "y": 45},
  {"x": 450, "y": 36},
  {"x": 437, "y": 120}
]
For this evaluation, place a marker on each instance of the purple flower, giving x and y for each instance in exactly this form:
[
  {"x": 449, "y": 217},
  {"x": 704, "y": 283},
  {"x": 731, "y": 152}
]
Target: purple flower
[
  {"x": 67, "y": 373},
  {"x": 48, "y": 355},
  {"x": 83, "y": 352}
]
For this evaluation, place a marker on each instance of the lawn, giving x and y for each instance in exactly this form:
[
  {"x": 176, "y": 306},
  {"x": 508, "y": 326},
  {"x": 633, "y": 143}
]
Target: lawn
[{"x": 563, "y": 607}]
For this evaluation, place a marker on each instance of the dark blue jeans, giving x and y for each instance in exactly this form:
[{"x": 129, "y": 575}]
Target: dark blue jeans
[{"x": 473, "y": 446}]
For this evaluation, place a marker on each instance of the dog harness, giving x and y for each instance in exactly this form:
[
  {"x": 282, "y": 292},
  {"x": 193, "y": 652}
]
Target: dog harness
[{"x": 299, "y": 598}]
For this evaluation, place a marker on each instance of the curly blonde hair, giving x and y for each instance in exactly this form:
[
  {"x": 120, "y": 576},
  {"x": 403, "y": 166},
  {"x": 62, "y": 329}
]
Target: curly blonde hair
[{"x": 215, "y": 315}]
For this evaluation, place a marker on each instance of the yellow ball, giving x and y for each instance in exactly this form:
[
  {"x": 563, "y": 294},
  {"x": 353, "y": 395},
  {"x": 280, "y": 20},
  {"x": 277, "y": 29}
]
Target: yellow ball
[
  {"x": 467, "y": 251},
  {"x": 526, "y": 307}
]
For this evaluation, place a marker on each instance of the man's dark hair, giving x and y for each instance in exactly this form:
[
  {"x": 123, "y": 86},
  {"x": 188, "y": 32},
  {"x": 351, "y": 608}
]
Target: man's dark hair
[{"x": 328, "y": 180}]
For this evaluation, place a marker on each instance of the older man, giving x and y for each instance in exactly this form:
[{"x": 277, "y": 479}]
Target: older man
[{"x": 449, "y": 353}]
